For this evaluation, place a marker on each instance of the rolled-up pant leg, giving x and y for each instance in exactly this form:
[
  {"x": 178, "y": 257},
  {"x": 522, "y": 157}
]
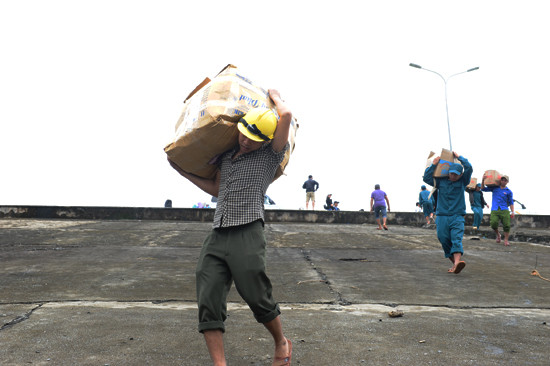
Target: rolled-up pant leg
[
  {"x": 478, "y": 215},
  {"x": 501, "y": 215},
  {"x": 213, "y": 281},
  {"x": 248, "y": 267},
  {"x": 506, "y": 221},
  {"x": 450, "y": 231},
  {"x": 235, "y": 254},
  {"x": 494, "y": 220}
]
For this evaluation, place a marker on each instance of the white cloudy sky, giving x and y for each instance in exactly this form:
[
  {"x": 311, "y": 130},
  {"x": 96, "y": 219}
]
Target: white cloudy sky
[{"x": 90, "y": 92}]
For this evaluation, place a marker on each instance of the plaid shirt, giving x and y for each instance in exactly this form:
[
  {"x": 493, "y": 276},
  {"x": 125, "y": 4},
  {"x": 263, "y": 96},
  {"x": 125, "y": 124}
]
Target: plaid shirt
[{"x": 243, "y": 184}]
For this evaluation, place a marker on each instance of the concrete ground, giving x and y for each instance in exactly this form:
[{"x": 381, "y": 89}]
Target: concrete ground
[{"x": 99, "y": 292}]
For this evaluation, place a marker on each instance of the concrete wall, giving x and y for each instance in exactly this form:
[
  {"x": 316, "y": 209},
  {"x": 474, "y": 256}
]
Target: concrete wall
[{"x": 207, "y": 215}]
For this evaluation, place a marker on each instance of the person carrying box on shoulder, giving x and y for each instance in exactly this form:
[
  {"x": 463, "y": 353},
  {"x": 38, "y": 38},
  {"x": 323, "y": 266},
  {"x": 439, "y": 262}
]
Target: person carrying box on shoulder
[
  {"x": 502, "y": 199},
  {"x": 235, "y": 250},
  {"x": 451, "y": 208},
  {"x": 477, "y": 203}
]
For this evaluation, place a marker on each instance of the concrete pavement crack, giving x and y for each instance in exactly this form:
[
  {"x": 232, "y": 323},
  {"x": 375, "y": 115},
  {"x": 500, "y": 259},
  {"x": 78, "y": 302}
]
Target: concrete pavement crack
[
  {"x": 339, "y": 298},
  {"x": 20, "y": 318}
]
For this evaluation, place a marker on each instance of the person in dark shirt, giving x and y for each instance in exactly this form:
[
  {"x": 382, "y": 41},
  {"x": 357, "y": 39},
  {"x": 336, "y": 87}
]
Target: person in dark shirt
[
  {"x": 426, "y": 201},
  {"x": 328, "y": 205},
  {"x": 310, "y": 186},
  {"x": 477, "y": 203}
]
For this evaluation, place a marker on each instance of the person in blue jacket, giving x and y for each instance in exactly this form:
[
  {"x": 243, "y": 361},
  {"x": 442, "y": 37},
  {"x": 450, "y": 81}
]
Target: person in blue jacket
[
  {"x": 427, "y": 204},
  {"x": 477, "y": 203},
  {"x": 502, "y": 199},
  {"x": 451, "y": 208}
]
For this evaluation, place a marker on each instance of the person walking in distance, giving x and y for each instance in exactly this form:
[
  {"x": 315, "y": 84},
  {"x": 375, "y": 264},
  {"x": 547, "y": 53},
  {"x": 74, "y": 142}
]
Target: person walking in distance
[
  {"x": 235, "y": 250},
  {"x": 477, "y": 203},
  {"x": 378, "y": 200},
  {"x": 310, "y": 186},
  {"x": 451, "y": 208},
  {"x": 427, "y": 203}
]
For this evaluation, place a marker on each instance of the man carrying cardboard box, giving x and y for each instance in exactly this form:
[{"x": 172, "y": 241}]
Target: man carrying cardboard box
[
  {"x": 477, "y": 203},
  {"x": 235, "y": 249},
  {"x": 502, "y": 199},
  {"x": 451, "y": 208}
]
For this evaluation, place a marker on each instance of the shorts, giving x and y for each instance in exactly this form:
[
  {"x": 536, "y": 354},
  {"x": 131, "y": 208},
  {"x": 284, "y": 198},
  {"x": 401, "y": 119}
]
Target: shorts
[
  {"x": 235, "y": 254},
  {"x": 380, "y": 210},
  {"x": 310, "y": 196}
]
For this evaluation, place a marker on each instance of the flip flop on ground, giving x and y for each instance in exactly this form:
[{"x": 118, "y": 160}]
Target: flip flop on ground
[{"x": 284, "y": 361}]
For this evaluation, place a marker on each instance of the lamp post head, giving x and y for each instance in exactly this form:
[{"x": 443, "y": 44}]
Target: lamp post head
[
  {"x": 415, "y": 65},
  {"x": 473, "y": 69}
]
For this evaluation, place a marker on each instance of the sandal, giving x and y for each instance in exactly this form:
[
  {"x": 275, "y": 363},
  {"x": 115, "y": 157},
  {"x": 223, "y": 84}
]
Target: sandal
[
  {"x": 284, "y": 361},
  {"x": 459, "y": 267}
]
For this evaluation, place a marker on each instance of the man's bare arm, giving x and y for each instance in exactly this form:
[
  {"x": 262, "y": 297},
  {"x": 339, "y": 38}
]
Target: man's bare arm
[
  {"x": 280, "y": 137},
  {"x": 210, "y": 186}
]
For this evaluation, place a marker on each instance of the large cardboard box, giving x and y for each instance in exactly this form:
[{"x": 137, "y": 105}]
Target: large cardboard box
[
  {"x": 445, "y": 160},
  {"x": 207, "y": 126},
  {"x": 492, "y": 178},
  {"x": 472, "y": 185}
]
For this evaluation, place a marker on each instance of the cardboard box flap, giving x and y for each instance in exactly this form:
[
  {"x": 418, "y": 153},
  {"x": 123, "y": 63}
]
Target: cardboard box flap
[
  {"x": 226, "y": 67},
  {"x": 206, "y": 81},
  {"x": 199, "y": 87}
]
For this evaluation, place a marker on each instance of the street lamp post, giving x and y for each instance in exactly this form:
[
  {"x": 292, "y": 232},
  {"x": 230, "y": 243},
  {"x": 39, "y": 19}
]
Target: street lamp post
[{"x": 445, "y": 82}]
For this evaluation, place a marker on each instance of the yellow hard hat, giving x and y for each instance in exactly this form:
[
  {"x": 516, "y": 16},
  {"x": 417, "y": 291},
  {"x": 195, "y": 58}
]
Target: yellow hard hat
[{"x": 258, "y": 124}]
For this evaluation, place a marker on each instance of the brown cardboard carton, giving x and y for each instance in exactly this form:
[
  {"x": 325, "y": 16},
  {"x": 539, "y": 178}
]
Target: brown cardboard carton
[
  {"x": 491, "y": 178},
  {"x": 445, "y": 159},
  {"x": 429, "y": 161},
  {"x": 207, "y": 126},
  {"x": 472, "y": 185}
]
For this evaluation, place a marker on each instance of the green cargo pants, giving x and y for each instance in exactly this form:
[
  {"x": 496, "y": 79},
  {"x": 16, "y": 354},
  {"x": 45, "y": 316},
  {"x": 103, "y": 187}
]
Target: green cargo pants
[
  {"x": 501, "y": 215},
  {"x": 234, "y": 254}
]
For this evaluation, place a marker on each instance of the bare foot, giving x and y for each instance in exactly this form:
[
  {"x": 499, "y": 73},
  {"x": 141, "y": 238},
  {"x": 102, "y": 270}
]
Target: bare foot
[
  {"x": 498, "y": 238},
  {"x": 452, "y": 269},
  {"x": 506, "y": 243}
]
